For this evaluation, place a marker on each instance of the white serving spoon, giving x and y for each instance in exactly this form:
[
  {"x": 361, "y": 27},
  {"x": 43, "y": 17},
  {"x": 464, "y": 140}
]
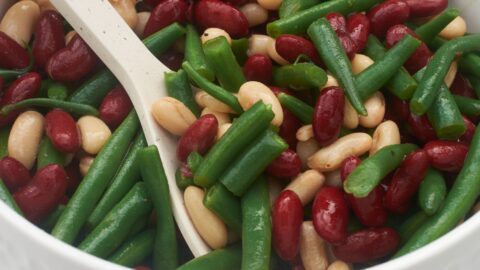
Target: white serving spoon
[{"x": 142, "y": 75}]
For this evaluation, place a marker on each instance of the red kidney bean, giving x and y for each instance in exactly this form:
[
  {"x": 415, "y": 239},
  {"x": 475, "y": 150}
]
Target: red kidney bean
[
  {"x": 421, "y": 128},
  {"x": 172, "y": 59},
  {"x": 166, "y": 13},
  {"x": 151, "y": 3},
  {"x": 1, "y": 83},
  {"x": 236, "y": 2},
  {"x": 330, "y": 215},
  {"x": 462, "y": 87},
  {"x": 199, "y": 137},
  {"x": 426, "y": 8},
  {"x": 370, "y": 210},
  {"x": 406, "y": 181},
  {"x": 328, "y": 115},
  {"x": 185, "y": 170},
  {"x": 115, "y": 107},
  {"x": 287, "y": 165},
  {"x": 348, "y": 44},
  {"x": 12, "y": 55},
  {"x": 400, "y": 109},
  {"x": 62, "y": 130},
  {"x": 289, "y": 127},
  {"x": 469, "y": 132},
  {"x": 297, "y": 264},
  {"x": 214, "y": 13},
  {"x": 49, "y": 37},
  {"x": 446, "y": 156},
  {"x": 13, "y": 173},
  {"x": 386, "y": 15},
  {"x": 419, "y": 58},
  {"x": 258, "y": 68},
  {"x": 287, "y": 218},
  {"x": 27, "y": 86},
  {"x": 73, "y": 62},
  {"x": 41, "y": 195},
  {"x": 278, "y": 90},
  {"x": 339, "y": 25},
  {"x": 367, "y": 245},
  {"x": 348, "y": 166},
  {"x": 74, "y": 176},
  {"x": 358, "y": 26},
  {"x": 337, "y": 22}
]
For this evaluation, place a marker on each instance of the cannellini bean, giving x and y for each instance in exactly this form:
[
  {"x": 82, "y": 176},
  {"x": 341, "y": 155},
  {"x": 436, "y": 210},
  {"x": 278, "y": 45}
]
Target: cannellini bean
[
  {"x": 360, "y": 62},
  {"x": 85, "y": 163},
  {"x": 270, "y": 4},
  {"x": 45, "y": 5},
  {"x": 331, "y": 157},
  {"x": 258, "y": 44},
  {"x": 126, "y": 10},
  {"x": 306, "y": 185},
  {"x": 251, "y": 92},
  {"x": 212, "y": 33},
  {"x": 205, "y": 100},
  {"x": 456, "y": 28},
  {"x": 95, "y": 133},
  {"x": 142, "y": 21},
  {"x": 274, "y": 189},
  {"x": 208, "y": 225},
  {"x": 222, "y": 118},
  {"x": 305, "y": 133},
  {"x": 350, "y": 116},
  {"x": 25, "y": 136},
  {"x": 334, "y": 179},
  {"x": 254, "y": 13},
  {"x": 19, "y": 21},
  {"x": 331, "y": 81},
  {"x": 312, "y": 248},
  {"x": 69, "y": 36},
  {"x": 306, "y": 150},
  {"x": 222, "y": 130},
  {"x": 452, "y": 73},
  {"x": 338, "y": 265},
  {"x": 387, "y": 133},
  {"x": 172, "y": 115},
  {"x": 273, "y": 54},
  {"x": 375, "y": 106}
]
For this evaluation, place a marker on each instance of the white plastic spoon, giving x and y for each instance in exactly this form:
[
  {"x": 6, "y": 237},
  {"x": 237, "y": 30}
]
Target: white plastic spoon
[{"x": 142, "y": 75}]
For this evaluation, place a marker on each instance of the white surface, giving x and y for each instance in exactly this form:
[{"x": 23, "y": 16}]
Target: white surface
[{"x": 24, "y": 246}]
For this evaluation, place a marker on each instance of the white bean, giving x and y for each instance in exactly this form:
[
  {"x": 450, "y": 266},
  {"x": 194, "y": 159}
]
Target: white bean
[
  {"x": 312, "y": 248},
  {"x": 95, "y": 133},
  {"x": 331, "y": 81},
  {"x": 222, "y": 118},
  {"x": 251, "y": 92},
  {"x": 270, "y": 4},
  {"x": 222, "y": 130},
  {"x": 258, "y": 44},
  {"x": 338, "y": 265},
  {"x": 254, "y": 13},
  {"x": 375, "y": 106},
  {"x": 212, "y": 33},
  {"x": 273, "y": 54},
  {"x": 456, "y": 28},
  {"x": 172, "y": 115},
  {"x": 306, "y": 150},
  {"x": 452, "y": 73},
  {"x": 305, "y": 133},
  {"x": 142, "y": 22},
  {"x": 19, "y": 21},
  {"x": 306, "y": 185},
  {"x": 360, "y": 62},
  {"x": 274, "y": 189},
  {"x": 25, "y": 136},
  {"x": 387, "y": 133},
  {"x": 350, "y": 116},
  {"x": 205, "y": 100},
  {"x": 126, "y": 10},
  {"x": 69, "y": 36},
  {"x": 85, "y": 164}
]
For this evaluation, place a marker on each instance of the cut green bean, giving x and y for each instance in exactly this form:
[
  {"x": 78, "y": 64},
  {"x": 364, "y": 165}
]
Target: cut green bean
[
  {"x": 300, "y": 76},
  {"x": 139, "y": 225},
  {"x": 135, "y": 250},
  {"x": 73, "y": 108},
  {"x": 193, "y": 161},
  {"x": 243, "y": 131},
  {"x": 333, "y": 54},
  {"x": 194, "y": 53},
  {"x": 4, "y": 133},
  {"x": 411, "y": 225},
  {"x": 179, "y": 88},
  {"x": 300, "y": 109},
  {"x": 373, "y": 169},
  {"x": 225, "y": 205},
  {"x": 470, "y": 64},
  {"x": 240, "y": 49},
  {"x": 182, "y": 181},
  {"x": 432, "y": 192},
  {"x": 57, "y": 91},
  {"x": 429, "y": 30},
  {"x": 165, "y": 254},
  {"x": 475, "y": 82},
  {"x": 48, "y": 154},
  {"x": 52, "y": 218},
  {"x": 290, "y": 7},
  {"x": 220, "y": 259},
  {"x": 468, "y": 106},
  {"x": 222, "y": 60}
]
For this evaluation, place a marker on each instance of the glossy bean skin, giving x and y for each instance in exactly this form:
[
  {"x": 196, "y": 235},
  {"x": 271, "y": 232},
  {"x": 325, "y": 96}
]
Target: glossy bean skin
[
  {"x": 421, "y": 128},
  {"x": 446, "y": 156},
  {"x": 426, "y": 8},
  {"x": 406, "y": 181},
  {"x": 49, "y": 37},
  {"x": 43, "y": 193},
  {"x": 348, "y": 166},
  {"x": 330, "y": 215},
  {"x": 386, "y": 15},
  {"x": 358, "y": 26},
  {"x": 290, "y": 47},
  {"x": 367, "y": 245},
  {"x": 348, "y": 44},
  {"x": 400, "y": 109},
  {"x": 214, "y": 13},
  {"x": 328, "y": 115},
  {"x": 339, "y": 25},
  {"x": 73, "y": 62},
  {"x": 115, "y": 107},
  {"x": 62, "y": 130},
  {"x": 289, "y": 127},
  {"x": 258, "y": 68},
  {"x": 469, "y": 131},
  {"x": 337, "y": 21},
  {"x": 13, "y": 173},
  {"x": 287, "y": 165},
  {"x": 199, "y": 137},
  {"x": 12, "y": 55},
  {"x": 462, "y": 87},
  {"x": 24, "y": 87},
  {"x": 166, "y": 13},
  {"x": 287, "y": 218}
]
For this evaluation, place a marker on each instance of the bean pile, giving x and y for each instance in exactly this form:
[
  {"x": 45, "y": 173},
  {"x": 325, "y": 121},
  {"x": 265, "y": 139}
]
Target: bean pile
[{"x": 312, "y": 134}]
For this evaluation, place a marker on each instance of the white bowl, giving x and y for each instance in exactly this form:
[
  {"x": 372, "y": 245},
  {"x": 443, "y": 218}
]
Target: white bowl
[{"x": 24, "y": 246}]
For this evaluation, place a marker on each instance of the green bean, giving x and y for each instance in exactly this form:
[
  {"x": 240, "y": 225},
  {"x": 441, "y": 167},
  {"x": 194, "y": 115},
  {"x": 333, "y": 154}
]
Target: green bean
[
  {"x": 220, "y": 259},
  {"x": 96, "y": 181},
  {"x": 165, "y": 254},
  {"x": 432, "y": 192},
  {"x": 300, "y": 109},
  {"x": 243, "y": 131},
  {"x": 73, "y": 108},
  {"x": 475, "y": 82},
  {"x": 300, "y": 76},
  {"x": 333, "y": 54},
  {"x": 194, "y": 160},
  {"x": 96, "y": 88},
  {"x": 182, "y": 181},
  {"x": 470, "y": 64},
  {"x": 48, "y": 154},
  {"x": 300, "y": 21},
  {"x": 225, "y": 205},
  {"x": 126, "y": 176},
  {"x": 134, "y": 250},
  {"x": 179, "y": 88},
  {"x": 114, "y": 228},
  {"x": 429, "y": 30},
  {"x": 459, "y": 201},
  {"x": 52, "y": 218},
  {"x": 240, "y": 49},
  {"x": 222, "y": 60},
  {"x": 373, "y": 169},
  {"x": 468, "y": 106},
  {"x": 194, "y": 53},
  {"x": 437, "y": 69},
  {"x": 248, "y": 166},
  {"x": 213, "y": 89},
  {"x": 11, "y": 74},
  {"x": 4, "y": 133},
  {"x": 290, "y": 7},
  {"x": 139, "y": 225},
  {"x": 383, "y": 70},
  {"x": 57, "y": 91},
  {"x": 411, "y": 225},
  {"x": 256, "y": 227}
]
